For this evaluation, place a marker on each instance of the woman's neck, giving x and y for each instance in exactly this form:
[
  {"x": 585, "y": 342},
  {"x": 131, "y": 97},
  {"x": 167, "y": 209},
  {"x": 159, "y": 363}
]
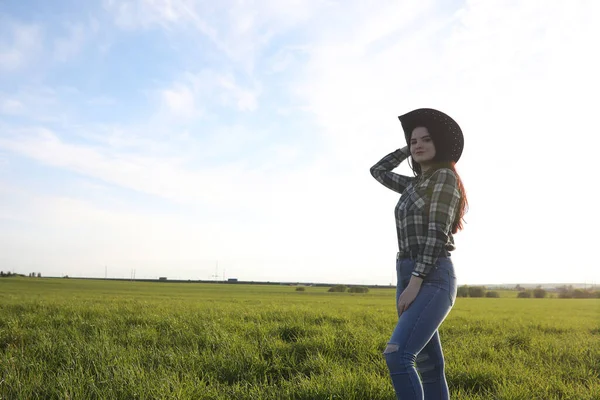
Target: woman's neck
[{"x": 425, "y": 168}]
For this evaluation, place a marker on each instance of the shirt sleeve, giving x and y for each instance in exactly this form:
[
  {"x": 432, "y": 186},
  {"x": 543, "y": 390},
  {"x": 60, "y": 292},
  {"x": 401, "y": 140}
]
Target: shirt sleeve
[
  {"x": 382, "y": 171},
  {"x": 443, "y": 205}
]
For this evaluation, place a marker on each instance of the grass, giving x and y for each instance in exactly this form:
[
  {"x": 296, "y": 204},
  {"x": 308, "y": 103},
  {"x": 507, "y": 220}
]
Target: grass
[{"x": 87, "y": 339}]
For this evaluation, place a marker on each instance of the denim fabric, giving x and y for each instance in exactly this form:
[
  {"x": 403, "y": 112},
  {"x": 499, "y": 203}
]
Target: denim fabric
[{"x": 416, "y": 334}]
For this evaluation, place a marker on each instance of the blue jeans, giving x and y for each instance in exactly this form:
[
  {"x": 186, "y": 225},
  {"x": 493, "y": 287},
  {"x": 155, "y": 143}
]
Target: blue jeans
[{"x": 415, "y": 339}]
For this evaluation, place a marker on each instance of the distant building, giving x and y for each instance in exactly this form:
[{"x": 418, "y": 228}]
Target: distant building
[
  {"x": 232, "y": 280},
  {"x": 162, "y": 278}
]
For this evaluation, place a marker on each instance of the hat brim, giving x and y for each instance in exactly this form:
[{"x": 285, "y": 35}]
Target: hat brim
[{"x": 449, "y": 138}]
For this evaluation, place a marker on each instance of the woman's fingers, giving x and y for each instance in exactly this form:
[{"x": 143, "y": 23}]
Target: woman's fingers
[{"x": 401, "y": 308}]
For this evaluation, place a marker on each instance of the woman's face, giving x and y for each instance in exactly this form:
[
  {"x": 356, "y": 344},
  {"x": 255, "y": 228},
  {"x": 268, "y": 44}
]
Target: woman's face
[{"x": 422, "y": 148}]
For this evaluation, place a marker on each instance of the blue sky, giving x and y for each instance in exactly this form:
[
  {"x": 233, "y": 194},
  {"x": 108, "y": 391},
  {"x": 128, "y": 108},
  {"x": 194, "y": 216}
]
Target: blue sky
[{"x": 168, "y": 135}]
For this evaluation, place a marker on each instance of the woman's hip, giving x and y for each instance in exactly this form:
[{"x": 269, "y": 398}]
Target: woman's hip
[{"x": 441, "y": 275}]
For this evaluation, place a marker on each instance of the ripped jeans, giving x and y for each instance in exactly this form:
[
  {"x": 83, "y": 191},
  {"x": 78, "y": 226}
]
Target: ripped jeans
[{"x": 415, "y": 339}]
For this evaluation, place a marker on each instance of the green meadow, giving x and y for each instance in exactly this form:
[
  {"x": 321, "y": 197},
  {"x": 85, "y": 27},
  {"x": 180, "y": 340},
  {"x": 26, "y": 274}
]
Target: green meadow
[{"x": 95, "y": 339}]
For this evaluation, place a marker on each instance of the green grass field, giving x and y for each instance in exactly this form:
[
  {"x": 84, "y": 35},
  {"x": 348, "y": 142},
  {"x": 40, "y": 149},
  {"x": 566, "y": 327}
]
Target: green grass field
[{"x": 93, "y": 339}]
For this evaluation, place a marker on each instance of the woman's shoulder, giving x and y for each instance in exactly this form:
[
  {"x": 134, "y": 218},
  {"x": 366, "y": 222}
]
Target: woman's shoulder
[
  {"x": 445, "y": 171},
  {"x": 443, "y": 175}
]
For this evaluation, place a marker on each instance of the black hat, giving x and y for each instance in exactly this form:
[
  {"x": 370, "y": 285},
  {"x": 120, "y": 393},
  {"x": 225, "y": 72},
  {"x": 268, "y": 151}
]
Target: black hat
[{"x": 446, "y": 133}]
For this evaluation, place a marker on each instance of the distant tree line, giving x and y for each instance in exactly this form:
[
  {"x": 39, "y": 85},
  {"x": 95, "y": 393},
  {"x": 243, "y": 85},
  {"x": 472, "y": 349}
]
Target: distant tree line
[
  {"x": 569, "y": 292},
  {"x": 351, "y": 289},
  {"x": 480, "y": 291},
  {"x": 564, "y": 292},
  {"x": 474, "y": 291},
  {"x": 8, "y": 274}
]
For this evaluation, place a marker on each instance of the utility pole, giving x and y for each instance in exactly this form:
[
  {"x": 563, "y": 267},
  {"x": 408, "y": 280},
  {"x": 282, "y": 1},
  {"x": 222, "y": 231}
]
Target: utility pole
[{"x": 216, "y": 275}]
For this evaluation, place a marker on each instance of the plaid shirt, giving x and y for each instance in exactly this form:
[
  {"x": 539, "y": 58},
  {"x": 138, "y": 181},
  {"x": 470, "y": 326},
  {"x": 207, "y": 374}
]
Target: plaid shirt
[{"x": 425, "y": 211}]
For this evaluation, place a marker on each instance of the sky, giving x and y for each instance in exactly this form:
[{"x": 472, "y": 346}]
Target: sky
[{"x": 233, "y": 139}]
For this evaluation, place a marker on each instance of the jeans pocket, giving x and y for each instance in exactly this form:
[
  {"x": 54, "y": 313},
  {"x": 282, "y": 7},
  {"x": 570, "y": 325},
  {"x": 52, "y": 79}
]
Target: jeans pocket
[
  {"x": 437, "y": 277},
  {"x": 443, "y": 278}
]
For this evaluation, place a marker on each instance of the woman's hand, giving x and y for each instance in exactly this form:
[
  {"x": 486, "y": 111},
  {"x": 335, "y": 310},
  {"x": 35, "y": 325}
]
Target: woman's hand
[{"x": 409, "y": 294}]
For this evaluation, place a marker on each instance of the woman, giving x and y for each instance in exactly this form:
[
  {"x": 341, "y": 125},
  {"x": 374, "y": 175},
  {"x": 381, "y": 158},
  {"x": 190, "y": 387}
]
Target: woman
[{"x": 429, "y": 212}]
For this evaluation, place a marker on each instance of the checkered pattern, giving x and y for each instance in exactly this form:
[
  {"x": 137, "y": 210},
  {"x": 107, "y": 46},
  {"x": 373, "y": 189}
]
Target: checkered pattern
[{"x": 425, "y": 211}]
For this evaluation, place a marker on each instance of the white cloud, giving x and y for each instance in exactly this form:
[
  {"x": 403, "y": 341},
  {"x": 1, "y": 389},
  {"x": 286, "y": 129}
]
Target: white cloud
[
  {"x": 180, "y": 101},
  {"x": 70, "y": 45},
  {"x": 102, "y": 101},
  {"x": 11, "y": 107},
  {"x": 231, "y": 92},
  {"x": 193, "y": 94},
  {"x": 19, "y": 45},
  {"x": 239, "y": 30},
  {"x": 164, "y": 177},
  {"x": 36, "y": 102},
  {"x": 149, "y": 175},
  {"x": 132, "y": 14}
]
